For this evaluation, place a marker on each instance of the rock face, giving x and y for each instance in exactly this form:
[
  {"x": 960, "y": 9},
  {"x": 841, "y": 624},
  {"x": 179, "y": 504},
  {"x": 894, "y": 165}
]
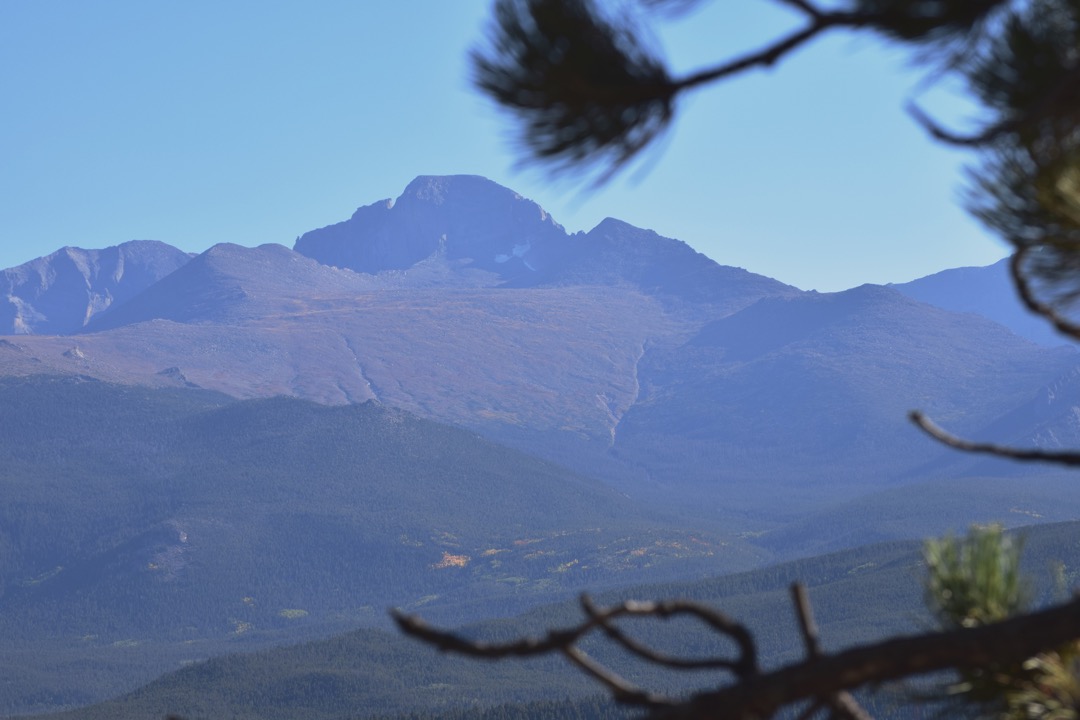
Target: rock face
[
  {"x": 456, "y": 217},
  {"x": 60, "y": 293}
]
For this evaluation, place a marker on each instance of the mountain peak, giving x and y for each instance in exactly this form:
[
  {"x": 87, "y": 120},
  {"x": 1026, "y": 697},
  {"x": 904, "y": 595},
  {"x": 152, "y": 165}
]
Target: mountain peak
[
  {"x": 440, "y": 189},
  {"x": 459, "y": 217},
  {"x": 61, "y": 292},
  {"x": 615, "y": 225}
]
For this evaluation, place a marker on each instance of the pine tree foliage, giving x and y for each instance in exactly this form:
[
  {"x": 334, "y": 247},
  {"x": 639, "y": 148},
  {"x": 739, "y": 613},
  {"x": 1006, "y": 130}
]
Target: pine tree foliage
[{"x": 975, "y": 581}]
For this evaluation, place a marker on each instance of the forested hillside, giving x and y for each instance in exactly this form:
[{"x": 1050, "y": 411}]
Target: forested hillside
[{"x": 858, "y": 595}]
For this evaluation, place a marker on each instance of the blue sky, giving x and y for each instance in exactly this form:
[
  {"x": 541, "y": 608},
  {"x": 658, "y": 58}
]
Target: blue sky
[{"x": 201, "y": 122}]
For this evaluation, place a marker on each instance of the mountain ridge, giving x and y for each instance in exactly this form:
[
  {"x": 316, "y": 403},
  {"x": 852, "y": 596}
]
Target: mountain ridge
[
  {"x": 468, "y": 304},
  {"x": 62, "y": 292}
]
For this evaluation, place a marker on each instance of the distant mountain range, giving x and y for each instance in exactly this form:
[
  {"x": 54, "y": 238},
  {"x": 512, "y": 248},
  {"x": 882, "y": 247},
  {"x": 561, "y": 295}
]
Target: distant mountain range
[
  {"x": 252, "y": 445},
  {"x": 618, "y": 352},
  {"x": 60, "y": 293},
  {"x": 986, "y": 291}
]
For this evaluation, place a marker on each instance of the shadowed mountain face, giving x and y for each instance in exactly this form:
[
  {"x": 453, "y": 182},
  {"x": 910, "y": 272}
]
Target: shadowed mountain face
[
  {"x": 475, "y": 225},
  {"x": 458, "y": 217},
  {"x": 60, "y": 293}
]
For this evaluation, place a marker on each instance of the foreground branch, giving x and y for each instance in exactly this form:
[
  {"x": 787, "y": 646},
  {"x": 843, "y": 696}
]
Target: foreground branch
[
  {"x": 564, "y": 641},
  {"x": 1009, "y": 641},
  {"x": 822, "y": 680}
]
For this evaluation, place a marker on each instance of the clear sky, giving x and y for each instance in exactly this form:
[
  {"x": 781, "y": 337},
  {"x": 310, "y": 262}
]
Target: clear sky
[{"x": 204, "y": 121}]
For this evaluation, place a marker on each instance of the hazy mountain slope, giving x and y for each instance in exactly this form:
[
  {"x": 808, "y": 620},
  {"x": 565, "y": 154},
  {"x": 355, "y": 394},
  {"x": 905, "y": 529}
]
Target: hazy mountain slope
[
  {"x": 615, "y": 252},
  {"x": 365, "y": 673},
  {"x": 60, "y": 293},
  {"x": 986, "y": 291},
  {"x": 930, "y": 508},
  {"x": 230, "y": 284},
  {"x": 858, "y": 596},
  {"x": 183, "y": 519},
  {"x": 534, "y": 359},
  {"x": 811, "y": 393}
]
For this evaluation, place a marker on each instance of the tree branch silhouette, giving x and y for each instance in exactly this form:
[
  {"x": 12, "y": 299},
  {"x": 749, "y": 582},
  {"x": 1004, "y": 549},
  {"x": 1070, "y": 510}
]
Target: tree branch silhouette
[
  {"x": 823, "y": 680},
  {"x": 1068, "y": 458}
]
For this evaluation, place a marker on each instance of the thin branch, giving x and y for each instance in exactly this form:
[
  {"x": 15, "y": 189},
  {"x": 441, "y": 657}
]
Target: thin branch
[
  {"x": 842, "y": 703},
  {"x": 807, "y": 626},
  {"x": 744, "y": 665},
  {"x": 845, "y": 706},
  {"x": 1040, "y": 110},
  {"x": 555, "y": 640},
  {"x": 1003, "y": 451},
  {"x": 603, "y": 619},
  {"x": 1012, "y": 640},
  {"x": 803, "y": 6},
  {"x": 1027, "y": 296},
  {"x": 773, "y": 53},
  {"x": 939, "y": 133}
]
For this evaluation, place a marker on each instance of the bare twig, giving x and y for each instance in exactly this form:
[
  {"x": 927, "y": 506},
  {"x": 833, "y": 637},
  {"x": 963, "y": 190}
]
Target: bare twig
[
  {"x": 842, "y": 703},
  {"x": 803, "y": 6},
  {"x": 1049, "y": 106},
  {"x": 1003, "y": 451},
  {"x": 773, "y": 53},
  {"x": 936, "y": 131},
  {"x": 845, "y": 706},
  {"x": 744, "y": 665},
  {"x": 740, "y": 666},
  {"x": 806, "y": 619}
]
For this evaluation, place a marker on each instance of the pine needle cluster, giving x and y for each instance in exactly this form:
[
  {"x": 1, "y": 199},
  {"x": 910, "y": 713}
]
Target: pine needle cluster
[{"x": 976, "y": 580}]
